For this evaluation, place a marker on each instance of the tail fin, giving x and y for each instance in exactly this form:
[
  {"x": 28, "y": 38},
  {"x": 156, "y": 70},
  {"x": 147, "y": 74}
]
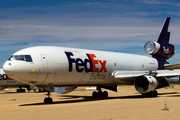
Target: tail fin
[
  {"x": 162, "y": 49},
  {"x": 166, "y": 50},
  {"x": 164, "y": 35}
]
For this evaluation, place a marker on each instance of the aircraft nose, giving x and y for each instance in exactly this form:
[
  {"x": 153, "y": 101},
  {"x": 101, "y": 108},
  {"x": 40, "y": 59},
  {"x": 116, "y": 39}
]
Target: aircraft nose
[{"x": 9, "y": 68}]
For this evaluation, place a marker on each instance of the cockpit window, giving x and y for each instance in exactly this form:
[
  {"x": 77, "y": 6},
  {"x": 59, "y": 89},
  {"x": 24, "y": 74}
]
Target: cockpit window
[
  {"x": 10, "y": 57},
  {"x": 26, "y": 58},
  {"x": 19, "y": 57}
]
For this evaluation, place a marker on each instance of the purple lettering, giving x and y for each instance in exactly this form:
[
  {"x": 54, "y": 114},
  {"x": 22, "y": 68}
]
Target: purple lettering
[
  {"x": 89, "y": 64},
  {"x": 69, "y": 54}
]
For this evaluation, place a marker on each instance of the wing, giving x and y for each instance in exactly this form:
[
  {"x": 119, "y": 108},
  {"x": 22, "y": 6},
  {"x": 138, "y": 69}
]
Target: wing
[
  {"x": 129, "y": 77},
  {"x": 168, "y": 73},
  {"x": 134, "y": 74}
]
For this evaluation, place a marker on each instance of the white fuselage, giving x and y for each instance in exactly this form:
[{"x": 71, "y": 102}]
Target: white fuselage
[{"x": 60, "y": 66}]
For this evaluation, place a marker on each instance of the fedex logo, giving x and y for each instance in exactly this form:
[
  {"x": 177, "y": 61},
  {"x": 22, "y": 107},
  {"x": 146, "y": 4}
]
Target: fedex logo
[
  {"x": 152, "y": 83},
  {"x": 5, "y": 77},
  {"x": 89, "y": 65},
  {"x": 167, "y": 51}
]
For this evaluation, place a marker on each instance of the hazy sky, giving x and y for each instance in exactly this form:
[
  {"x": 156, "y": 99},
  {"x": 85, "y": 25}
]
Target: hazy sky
[{"x": 108, "y": 25}]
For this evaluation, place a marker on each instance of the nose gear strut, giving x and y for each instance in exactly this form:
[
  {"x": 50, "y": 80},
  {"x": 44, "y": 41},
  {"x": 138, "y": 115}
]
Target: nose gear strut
[{"x": 48, "y": 100}]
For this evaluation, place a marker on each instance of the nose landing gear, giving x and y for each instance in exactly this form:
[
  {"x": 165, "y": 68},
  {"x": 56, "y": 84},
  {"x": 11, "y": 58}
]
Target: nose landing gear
[{"x": 48, "y": 100}]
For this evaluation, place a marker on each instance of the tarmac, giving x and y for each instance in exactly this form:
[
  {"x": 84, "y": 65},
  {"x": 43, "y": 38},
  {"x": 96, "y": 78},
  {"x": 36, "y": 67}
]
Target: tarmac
[{"x": 126, "y": 104}]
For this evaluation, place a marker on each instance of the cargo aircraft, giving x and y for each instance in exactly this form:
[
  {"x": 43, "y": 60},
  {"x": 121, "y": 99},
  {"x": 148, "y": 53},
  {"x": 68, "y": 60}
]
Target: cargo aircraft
[
  {"x": 7, "y": 82},
  {"x": 64, "y": 69}
]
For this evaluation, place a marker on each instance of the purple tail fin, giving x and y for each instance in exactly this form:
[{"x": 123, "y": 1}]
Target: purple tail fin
[
  {"x": 166, "y": 49},
  {"x": 164, "y": 35},
  {"x": 162, "y": 49}
]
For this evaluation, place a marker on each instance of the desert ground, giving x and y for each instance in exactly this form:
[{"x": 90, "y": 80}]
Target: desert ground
[{"x": 126, "y": 104}]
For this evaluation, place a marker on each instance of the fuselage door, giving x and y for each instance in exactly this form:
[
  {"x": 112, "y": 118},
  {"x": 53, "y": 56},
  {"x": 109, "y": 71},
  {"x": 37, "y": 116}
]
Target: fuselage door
[{"x": 44, "y": 61}]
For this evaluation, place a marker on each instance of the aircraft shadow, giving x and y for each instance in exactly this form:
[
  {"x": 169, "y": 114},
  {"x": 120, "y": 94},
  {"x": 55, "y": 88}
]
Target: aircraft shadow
[
  {"x": 168, "y": 93},
  {"x": 90, "y": 99},
  {"x": 19, "y": 92},
  {"x": 8, "y": 93},
  {"x": 84, "y": 99}
]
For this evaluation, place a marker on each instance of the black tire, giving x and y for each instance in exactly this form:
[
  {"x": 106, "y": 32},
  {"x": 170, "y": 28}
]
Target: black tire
[
  {"x": 105, "y": 94},
  {"x": 150, "y": 94},
  {"x": 48, "y": 101},
  {"x": 94, "y": 94},
  {"x": 23, "y": 90},
  {"x": 155, "y": 93},
  {"x": 39, "y": 90},
  {"x": 18, "y": 90}
]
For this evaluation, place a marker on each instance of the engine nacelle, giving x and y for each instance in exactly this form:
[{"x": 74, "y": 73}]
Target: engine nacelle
[
  {"x": 145, "y": 84},
  {"x": 64, "y": 90},
  {"x": 153, "y": 48}
]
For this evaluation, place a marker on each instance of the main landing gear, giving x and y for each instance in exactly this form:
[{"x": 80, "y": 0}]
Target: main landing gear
[
  {"x": 99, "y": 93},
  {"x": 48, "y": 100},
  {"x": 20, "y": 89},
  {"x": 150, "y": 94}
]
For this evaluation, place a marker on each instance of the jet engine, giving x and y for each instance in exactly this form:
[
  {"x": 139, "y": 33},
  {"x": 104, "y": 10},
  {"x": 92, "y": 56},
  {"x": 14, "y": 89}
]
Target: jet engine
[
  {"x": 154, "y": 48},
  {"x": 64, "y": 90},
  {"x": 145, "y": 84}
]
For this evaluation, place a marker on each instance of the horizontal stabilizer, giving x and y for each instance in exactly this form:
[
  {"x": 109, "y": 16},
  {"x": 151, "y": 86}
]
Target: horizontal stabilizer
[{"x": 171, "y": 66}]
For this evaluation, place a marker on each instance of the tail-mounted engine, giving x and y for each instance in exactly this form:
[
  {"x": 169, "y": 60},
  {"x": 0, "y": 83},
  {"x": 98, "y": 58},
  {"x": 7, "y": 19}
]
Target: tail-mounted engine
[
  {"x": 145, "y": 84},
  {"x": 154, "y": 48}
]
